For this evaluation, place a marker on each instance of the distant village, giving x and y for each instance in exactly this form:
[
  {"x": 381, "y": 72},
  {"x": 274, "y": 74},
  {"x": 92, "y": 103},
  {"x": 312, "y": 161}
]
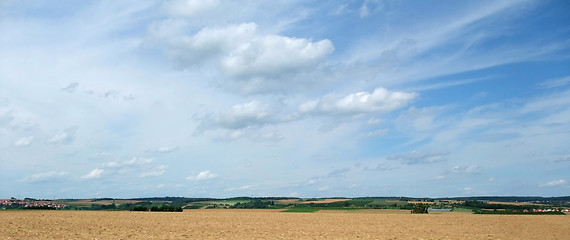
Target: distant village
[
  {"x": 549, "y": 210},
  {"x": 28, "y": 203}
]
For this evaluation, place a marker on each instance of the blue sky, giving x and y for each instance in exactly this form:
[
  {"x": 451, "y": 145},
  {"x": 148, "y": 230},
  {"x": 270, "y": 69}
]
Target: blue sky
[{"x": 284, "y": 98}]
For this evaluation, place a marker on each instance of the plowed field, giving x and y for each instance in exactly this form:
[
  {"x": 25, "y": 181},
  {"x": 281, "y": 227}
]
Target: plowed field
[{"x": 272, "y": 224}]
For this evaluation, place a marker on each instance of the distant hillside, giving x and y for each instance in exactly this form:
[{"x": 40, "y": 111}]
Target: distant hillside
[
  {"x": 401, "y": 198},
  {"x": 173, "y": 199},
  {"x": 511, "y": 199}
]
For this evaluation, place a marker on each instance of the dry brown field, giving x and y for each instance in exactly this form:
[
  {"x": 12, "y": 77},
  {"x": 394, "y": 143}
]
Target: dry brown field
[{"x": 272, "y": 224}]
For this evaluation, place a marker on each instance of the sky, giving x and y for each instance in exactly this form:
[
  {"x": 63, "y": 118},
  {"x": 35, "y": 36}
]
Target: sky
[{"x": 217, "y": 98}]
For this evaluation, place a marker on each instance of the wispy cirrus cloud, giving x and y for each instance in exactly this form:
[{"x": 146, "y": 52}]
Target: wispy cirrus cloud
[{"x": 553, "y": 83}]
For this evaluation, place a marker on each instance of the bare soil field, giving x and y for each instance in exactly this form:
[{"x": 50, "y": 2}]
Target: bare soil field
[{"x": 272, "y": 224}]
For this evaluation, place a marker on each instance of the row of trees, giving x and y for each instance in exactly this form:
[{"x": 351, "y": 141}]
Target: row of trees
[
  {"x": 163, "y": 208},
  {"x": 255, "y": 204},
  {"x": 480, "y": 205}
]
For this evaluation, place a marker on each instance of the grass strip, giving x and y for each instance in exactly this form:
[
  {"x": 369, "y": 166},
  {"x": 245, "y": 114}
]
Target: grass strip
[{"x": 305, "y": 210}]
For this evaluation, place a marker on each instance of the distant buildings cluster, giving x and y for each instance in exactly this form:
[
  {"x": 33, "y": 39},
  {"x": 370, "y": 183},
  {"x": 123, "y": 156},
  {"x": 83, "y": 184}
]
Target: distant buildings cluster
[
  {"x": 16, "y": 203},
  {"x": 549, "y": 210}
]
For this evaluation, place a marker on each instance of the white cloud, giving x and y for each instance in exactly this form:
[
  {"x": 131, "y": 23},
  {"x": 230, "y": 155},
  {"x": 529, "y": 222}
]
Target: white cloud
[
  {"x": 440, "y": 177},
  {"x": 368, "y": 5},
  {"x": 255, "y": 135},
  {"x": 154, "y": 172},
  {"x": 45, "y": 177},
  {"x": 379, "y": 101},
  {"x": 206, "y": 44},
  {"x": 95, "y": 173},
  {"x": 364, "y": 11},
  {"x": 25, "y": 141},
  {"x": 416, "y": 121},
  {"x": 253, "y": 59},
  {"x": 110, "y": 94},
  {"x": 374, "y": 121},
  {"x": 378, "y": 133},
  {"x": 340, "y": 9},
  {"x": 244, "y": 187},
  {"x": 71, "y": 87},
  {"x": 314, "y": 180},
  {"x": 563, "y": 159},
  {"x": 167, "y": 149},
  {"x": 132, "y": 162},
  {"x": 67, "y": 136},
  {"x": 420, "y": 157},
  {"x": 189, "y": 8},
  {"x": 203, "y": 175},
  {"x": 554, "y": 183},
  {"x": 13, "y": 117},
  {"x": 337, "y": 173},
  {"x": 334, "y": 174},
  {"x": 273, "y": 55},
  {"x": 241, "y": 116},
  {"x": 244, "y": 115},
  {"x": 142, "y": 166},
  {"x": 466, "y": 169},
  {"x": 379, "y": 167},
  {"x": 86, "y": 63}
]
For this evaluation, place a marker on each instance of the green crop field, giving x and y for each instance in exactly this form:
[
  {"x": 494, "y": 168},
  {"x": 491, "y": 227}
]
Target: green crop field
[
  {"x": 195, "y": 206},
  {"x": 462, "y": 210},
  {"x": 305, "y": 210},
  {"x": 359, "y": 202},
  {"x": 386, "y": 202}
]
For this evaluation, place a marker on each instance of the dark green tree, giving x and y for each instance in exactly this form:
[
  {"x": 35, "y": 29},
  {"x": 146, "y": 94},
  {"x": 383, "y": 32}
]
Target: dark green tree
[{"x": 420, "y": 208}]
